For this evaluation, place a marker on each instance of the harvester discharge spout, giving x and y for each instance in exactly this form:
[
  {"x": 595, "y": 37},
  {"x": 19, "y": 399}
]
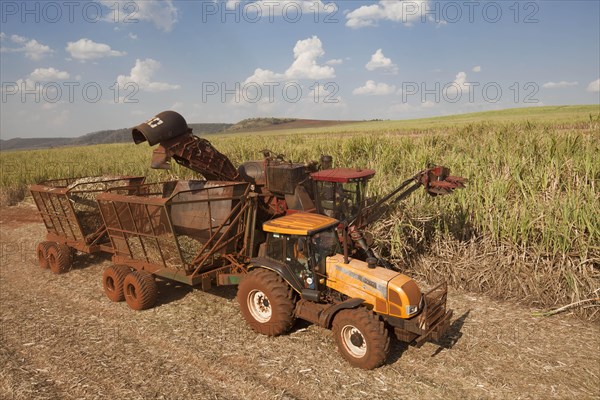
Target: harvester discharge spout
[{"x": 176, "y": 141}]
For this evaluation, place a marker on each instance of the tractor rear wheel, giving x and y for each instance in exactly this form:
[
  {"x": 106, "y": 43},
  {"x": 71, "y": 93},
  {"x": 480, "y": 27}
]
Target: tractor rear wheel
[
  {"x": 42, "y": 254},
  {"x": 140, "y": 290},
  {"x": 112, "y": 281},
  {"x": 266, "y": 302},
  {"x": 361, "y": 337},
  {"x": 59, "y": 258}
]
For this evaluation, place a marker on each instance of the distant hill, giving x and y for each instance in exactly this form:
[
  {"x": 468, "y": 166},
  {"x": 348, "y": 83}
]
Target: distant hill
[
  {"x": 124, "y": 135},
  {"x": 100, "y": 137},
  {"x": 268, "y": 124}
]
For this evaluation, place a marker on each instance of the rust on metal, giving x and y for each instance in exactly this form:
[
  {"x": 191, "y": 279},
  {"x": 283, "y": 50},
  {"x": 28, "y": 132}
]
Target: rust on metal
[{"x": 70, "y": 212}]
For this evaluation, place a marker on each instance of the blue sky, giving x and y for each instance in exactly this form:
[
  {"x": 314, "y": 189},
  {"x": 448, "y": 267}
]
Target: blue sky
[{"x": 69, "y": 68}]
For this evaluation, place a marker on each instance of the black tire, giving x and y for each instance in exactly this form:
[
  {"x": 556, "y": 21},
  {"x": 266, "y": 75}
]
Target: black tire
[
  {"x": 266, "y": 302},
  {"x": 361, "y": 337},
  {"x": 140, "y": 290},
  {"x": 42, "y": 254},
  {"x": 59, "y": 258},
  {"x": 112, "y": 281}
]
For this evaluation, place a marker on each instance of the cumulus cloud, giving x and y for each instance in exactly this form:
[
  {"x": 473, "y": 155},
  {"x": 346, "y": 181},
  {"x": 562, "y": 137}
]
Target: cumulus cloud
[
  {"x": 18, "y": 39},
  {"x": 371, "y": 88},
  {"x": 132, "y": 36},
  {"x": 403, "y": 11},
  {"x": 477, "y": 68},
  {"x": 86, "y": 49},
  {"x": 460, "y": 85},
  {"x": 2, "y": 36},
  {"x": 163, "y": 14},
  {"x": 594, "y": 86},
  {"x": 30, "y": 47},
  {"x": 380, "y": 61},
  {"x": 559, "y": 85},
  {"x": 48, "y": 74},
  {"x": 305, "y": 66},
  {"x": 288, "y": 8},
  {"x": 141, "y": 74}
]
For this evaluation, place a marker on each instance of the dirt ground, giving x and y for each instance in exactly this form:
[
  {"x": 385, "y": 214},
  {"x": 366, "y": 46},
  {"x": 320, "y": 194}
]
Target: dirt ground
[{"x": 61, "y": 338}]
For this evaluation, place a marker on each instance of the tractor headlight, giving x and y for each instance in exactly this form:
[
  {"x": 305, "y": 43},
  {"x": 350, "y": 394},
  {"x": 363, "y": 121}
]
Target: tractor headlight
[{"x": 410, "y": 310}]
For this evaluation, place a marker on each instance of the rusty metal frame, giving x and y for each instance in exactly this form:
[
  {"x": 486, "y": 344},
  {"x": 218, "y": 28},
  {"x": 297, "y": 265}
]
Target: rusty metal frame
[
  {"x": 55, "y": 205},
  {"x": 205, "y": 264}
]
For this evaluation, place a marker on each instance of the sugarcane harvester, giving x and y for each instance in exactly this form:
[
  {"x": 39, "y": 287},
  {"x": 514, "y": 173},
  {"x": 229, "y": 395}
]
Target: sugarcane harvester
[
  {"x": 285, "y": 187},
  {"x": 281, "y": 232}
]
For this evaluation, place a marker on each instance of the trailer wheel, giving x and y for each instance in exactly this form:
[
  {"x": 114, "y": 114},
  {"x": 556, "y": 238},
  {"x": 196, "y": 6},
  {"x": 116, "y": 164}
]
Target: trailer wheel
[
  {"x": 42, "y": 254},
  {"x": 361, "y": 337},
  {"x": 59, "y": 258},
  {"x": 266, "y": 302},
  {"x": 112, "y": 281},
  {"x": 140, "y": 290}
]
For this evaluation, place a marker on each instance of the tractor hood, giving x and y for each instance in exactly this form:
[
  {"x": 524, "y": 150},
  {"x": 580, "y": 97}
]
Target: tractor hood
[{"x": 389, "y": 292}]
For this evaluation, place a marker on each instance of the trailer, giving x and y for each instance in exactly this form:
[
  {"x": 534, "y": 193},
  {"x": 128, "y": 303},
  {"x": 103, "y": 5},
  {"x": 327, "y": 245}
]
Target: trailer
[
  {"x": 194, "y": 232},
  {"x": 72, "y": 218}
]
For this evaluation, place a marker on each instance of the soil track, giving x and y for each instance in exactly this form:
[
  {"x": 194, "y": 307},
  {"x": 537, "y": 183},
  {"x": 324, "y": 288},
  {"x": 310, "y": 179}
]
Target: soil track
[{"x": 62, "y": 338}]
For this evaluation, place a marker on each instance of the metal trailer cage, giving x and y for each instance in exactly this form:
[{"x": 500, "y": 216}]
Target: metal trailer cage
[
  {"x": 70, "y": 212},
  {"x": 189, "y": 231}
]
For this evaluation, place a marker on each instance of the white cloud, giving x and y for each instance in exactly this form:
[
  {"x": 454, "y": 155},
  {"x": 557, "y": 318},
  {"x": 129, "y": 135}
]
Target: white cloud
[
  {"x": 404, "y": 11},
  {"x": 48, "y": 74},
  {"x": 594, "y": 86},
  {"x": 335, "y": 61},
  {"x": 290, "y": 9},
  {"x": 31, "y": 47},
  {"x": 428, "y": 104},
  {"x": 141, "y": 74},
  {"x": 559, "y": 85},
  {"x": 460, "y": 86},
  {"x": 380, "y": 61},
  {"x": 2, "y": 36},
  {"x": 132, "y": 36},
  {"x": 163, "y": 14},
  {"x": 18, "y": 39},
  {"x": 374, "y": 89},
  {"x": 86, "y": 49},
  {"x": 477, "y": 68},
  {"x": 304, "y": 66}
]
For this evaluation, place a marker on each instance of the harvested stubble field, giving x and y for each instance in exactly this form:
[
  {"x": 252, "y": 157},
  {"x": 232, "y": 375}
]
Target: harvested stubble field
[
  {"x": 61, "y": 338},
  {"x": 525, "y": 233}
]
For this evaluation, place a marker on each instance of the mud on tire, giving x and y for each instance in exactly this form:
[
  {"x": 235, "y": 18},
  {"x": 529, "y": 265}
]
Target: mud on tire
[
  {"x": 59, "y": 258},
  {"x": 140, "y": 290},
  {"x": 112, "y": 281},
  {"x": 361, "y": 337},
  {"x": 266, "y": 302}
]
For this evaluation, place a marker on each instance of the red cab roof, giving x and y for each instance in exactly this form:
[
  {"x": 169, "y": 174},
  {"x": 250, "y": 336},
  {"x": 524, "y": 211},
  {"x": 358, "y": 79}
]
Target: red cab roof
[{"x": 342, "y": 175}]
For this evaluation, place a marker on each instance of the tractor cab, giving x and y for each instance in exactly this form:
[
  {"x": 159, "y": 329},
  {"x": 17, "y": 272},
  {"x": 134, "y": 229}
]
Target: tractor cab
[
  {"x": 340, "y": 192},
  {"x": 297, "y": 246}
]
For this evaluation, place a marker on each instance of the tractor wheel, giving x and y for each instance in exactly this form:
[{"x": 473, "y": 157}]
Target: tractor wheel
[
  {"x": 42, "y": 254},
  {"x": 266, "y": 302},
  {"x": 361, "y": 337},
  {"x": 59, "y": 258},
  {"x": 140, "y": 290},
  {"x": 112, "y": 281}
]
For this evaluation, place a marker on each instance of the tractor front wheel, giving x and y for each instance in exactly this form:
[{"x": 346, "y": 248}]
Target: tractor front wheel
[
  {"x": 140, "y": 290},
  {"x": 112, "y": 281},
  {"x": 266, "y": 302},
  {"x": 361, "y": 337}
]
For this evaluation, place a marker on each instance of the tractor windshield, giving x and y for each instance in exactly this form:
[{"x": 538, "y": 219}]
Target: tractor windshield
[
  {"x": 324, "y": 244},
  {"x": 341, "y": 200}
]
